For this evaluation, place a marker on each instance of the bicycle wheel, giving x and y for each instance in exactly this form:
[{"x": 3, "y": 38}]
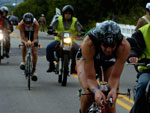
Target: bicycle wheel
[{"x": 28, "y": 70}]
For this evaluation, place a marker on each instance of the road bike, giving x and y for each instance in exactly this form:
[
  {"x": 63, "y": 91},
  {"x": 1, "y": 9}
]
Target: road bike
[
  {"x": 103, "y": 85},
  {"x": 28, "y": 65},
  {"x": 28, "y": 71}
]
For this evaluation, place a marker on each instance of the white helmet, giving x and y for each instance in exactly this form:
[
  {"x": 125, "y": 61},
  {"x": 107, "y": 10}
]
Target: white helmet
[
  {"x": 42, "y": 15},
  {"x": 148, "y": 6}
]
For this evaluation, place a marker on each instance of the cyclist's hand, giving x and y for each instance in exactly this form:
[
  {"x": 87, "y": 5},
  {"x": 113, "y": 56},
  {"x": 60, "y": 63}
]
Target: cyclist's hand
[
  {"x": 27, "y": 44},
  {"x": 32, "y": 44},
  {"x": 100, "y": 98},
  {"x": 133, "y": 59},
  {"x": 112, "y": 94}
]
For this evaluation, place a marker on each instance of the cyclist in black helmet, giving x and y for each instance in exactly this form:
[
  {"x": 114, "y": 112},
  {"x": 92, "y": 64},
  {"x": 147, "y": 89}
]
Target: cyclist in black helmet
[
  {"x": 63, "y": 23},
  {"x": 28, "y": 28},
  {"x": 103, "y": 46}
]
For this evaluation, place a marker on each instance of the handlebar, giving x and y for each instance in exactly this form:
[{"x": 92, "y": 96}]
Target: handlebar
[
  {"x": 36, "y": 45},
  {"x": 139, "y": 64}
]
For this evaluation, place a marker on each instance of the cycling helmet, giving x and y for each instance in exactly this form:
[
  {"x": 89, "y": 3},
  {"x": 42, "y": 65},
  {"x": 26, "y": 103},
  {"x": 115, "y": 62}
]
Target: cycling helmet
[
  {"x": 148, "y": 6},
  {"x": 4, "y": 9},
  {"x": 108, "y": 33},
  {"x": 68, "y": 8},
  {"x": 28, "y": 18},
  {"x": 13, "y": 20}
]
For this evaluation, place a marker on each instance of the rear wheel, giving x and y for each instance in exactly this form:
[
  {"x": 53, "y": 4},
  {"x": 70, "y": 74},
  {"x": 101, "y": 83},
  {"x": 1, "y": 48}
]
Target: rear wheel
[{"x": 65, "y": 70}]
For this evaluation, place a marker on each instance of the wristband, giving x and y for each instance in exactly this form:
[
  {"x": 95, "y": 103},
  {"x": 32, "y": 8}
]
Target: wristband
[{"x": 95, "y": 90}]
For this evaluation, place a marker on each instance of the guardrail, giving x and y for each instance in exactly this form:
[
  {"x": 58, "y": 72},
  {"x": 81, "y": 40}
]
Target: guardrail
[{"x": 126, "y": 30}]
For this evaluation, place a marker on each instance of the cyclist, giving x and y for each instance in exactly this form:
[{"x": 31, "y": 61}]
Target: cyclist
[
  {"x": 28, "y": 28},
  {"x": 64, "y": 23},
  {"x": 6, "y": 27},
  {"x": 140, "y": 52},
  {"x": 144, "y": 19},
  {"x": 103, "y": 46}
]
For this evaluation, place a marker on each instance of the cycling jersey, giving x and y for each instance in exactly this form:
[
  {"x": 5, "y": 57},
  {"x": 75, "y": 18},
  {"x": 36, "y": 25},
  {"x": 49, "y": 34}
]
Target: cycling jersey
[{"x": 29, "y": 31}]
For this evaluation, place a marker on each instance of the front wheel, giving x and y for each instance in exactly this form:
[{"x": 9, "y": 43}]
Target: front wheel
[
  {"x": 28, "y": 71},
  {"x": 65, "y": 70}
]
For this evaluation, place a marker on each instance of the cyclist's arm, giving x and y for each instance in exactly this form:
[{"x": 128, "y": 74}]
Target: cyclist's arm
[
  {"x": 141, "y": 22},
  {"x": 137, "y": 44},
  {"x": 21, "y": 29},
  {"x": 36, "y": 29},
  {"x": 79, "y": 28},
  {"x": 122, "y": 55},
  {"x": 88, "y": 52}
]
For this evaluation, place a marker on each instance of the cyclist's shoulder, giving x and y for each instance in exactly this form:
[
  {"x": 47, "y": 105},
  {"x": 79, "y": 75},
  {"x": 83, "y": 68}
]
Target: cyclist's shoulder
[{"x": 21, "y": 24}]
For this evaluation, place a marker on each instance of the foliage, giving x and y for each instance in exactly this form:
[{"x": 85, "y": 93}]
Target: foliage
[{"x": 88, "y": 12}]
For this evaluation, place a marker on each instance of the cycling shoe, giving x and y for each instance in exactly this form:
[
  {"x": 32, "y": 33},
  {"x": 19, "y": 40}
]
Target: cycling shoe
[
  {"x": 34, "y": 77},
  {"x": 22, "y": 66}
]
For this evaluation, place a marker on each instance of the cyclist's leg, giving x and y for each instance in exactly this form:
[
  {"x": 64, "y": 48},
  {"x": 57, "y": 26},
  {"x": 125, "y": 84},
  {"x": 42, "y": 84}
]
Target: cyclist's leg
[
  {"x": 34, "y": 59},
  {"x": 139, "y": 104},
  {"x": 86, "y": 100},
  {"x": 22, "y": 65},
  {"x": 23, "y": 53}
]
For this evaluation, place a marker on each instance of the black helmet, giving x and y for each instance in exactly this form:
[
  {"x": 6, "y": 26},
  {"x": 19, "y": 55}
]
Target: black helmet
[
  {"x": 28, "y": 18},
  {"x": 4, "y": 9},
  {"x": 108, "y": 32},
  {"x": 68, "y": 8},
  {"x": 13, "y": 19}
]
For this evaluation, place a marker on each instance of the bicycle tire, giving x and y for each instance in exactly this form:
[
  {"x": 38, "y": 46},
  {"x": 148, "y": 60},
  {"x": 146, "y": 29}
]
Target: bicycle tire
[{"x": 28, "y": 70}]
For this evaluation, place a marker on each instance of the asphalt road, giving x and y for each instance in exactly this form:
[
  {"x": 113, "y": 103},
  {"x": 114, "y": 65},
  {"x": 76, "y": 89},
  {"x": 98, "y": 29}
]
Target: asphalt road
[{"x": 46, "y": 95}]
